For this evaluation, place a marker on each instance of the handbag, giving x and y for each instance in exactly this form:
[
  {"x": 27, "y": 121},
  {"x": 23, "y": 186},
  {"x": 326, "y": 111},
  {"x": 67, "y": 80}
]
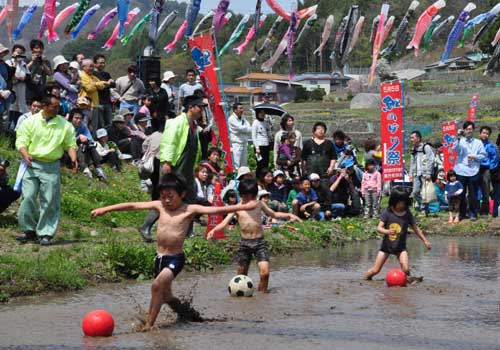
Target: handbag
[
  {"x": 146, "y": 167},
  {"x": 428, "y": 192}
]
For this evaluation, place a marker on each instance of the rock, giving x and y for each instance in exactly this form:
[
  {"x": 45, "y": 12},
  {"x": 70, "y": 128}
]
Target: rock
[{"x": 365, "y": 101}]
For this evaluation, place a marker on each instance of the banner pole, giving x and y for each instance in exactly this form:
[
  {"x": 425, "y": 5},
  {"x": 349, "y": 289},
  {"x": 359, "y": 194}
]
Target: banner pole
[{"x": 224, "y": 100}]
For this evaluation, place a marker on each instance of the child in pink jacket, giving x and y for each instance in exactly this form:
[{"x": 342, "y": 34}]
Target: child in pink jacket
[{"x": 371, "y": 189}]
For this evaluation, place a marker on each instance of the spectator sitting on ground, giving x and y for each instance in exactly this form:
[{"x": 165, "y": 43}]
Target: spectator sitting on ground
[
  {"x": 7, "y": 193},
  {"x": 212, "y": 163},
  {"x": 119, "y": 134},
  {"x": 439, "y": 187},
  {"x": 244, "y": 172},
  {"x": 204, "y": 187},
  {"x": 340, "y": 193},
  {"x": 296, "y": 186},
  {"x": 323, "y": 197},
  {"x": 138, "y": 132},
  {"x": 69, "y": 91},
  {"x": 264, "y": 178},
  {"x": 35, "y": 107},
  {"x": 107, "y": 154},
  {"x": 306, "y": 205},
  {"x": 278, "y": 191}
]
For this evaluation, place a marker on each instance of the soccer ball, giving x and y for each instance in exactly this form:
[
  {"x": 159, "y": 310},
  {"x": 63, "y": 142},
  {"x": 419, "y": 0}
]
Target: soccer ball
[{"x": 240, "y": 286}]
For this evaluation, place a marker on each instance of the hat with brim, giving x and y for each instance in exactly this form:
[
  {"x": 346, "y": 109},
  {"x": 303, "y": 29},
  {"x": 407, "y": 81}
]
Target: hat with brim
[
  {"x": 168, "y": 75},
  {"x": 198, "y": 102},
  {"x": 263, "y": 193},
  {"x": 125, "y": 111},
  {"x": 143, "y": 119},
  {"x": 74, "y": 65},
  {"x": 3, "y": 49},
  {"x": 82, "y": 101},
  {"x": 101, "y": 133},
  {"x": 58, "y": 60},
  {"x": 314, "y": 177},
  {"x": 118, "y": 119},
  {"x": 278, "y": 173},
  {"x": 242, "y": 171}
]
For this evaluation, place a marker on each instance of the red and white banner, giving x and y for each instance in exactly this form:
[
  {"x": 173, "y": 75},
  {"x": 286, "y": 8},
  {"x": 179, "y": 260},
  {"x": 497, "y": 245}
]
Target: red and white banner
[
  {"x": 202, "y": 53},
  {"x": 472, "y": 109},
  {"x": 449, "y": 132},
  {"x": 215, "y": 219},
  {"x": 391, "y": 130}
]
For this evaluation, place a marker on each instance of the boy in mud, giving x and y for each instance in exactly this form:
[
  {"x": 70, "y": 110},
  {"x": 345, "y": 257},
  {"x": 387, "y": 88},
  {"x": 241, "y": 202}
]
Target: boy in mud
[
  {"x": 173, "y": 226},
  {"x": 252, "y": 241}
]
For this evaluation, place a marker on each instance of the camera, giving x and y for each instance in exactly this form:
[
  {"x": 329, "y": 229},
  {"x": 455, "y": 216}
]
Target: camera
[{"x": 461, "y": 133}]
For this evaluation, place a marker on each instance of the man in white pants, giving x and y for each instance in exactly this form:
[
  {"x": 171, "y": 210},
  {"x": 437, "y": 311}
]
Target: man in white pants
[{"x": 240, "y": 131}]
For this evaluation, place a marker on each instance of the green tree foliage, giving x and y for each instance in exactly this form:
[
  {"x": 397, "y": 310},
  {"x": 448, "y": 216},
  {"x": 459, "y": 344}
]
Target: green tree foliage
[
  {"x": 301, "y": 94},
  {"x": 318, "y": 94}
]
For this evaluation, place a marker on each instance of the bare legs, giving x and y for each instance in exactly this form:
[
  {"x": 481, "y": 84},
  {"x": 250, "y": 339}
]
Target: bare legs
[
  {"x": 263, "y": 274},
  {"x": 161, "y": 293},
  {"x": 382, "y": 258}
]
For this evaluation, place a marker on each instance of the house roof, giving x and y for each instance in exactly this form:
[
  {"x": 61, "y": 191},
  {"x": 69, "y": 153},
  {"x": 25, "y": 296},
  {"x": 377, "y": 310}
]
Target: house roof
[
  {"x": 242, "y": 90},
  {"x": 263, "y": 76}
]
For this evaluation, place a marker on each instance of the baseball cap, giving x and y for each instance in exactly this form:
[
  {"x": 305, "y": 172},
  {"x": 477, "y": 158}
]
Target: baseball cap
[
  {"x": 278, "y": 173},
  {"x": 314, "y": 177},
  {"x": 263, "y": 193}
]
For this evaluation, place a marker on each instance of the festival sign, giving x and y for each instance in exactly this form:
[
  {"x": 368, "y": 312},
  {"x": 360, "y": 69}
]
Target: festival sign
[
  {"x": 391, "y": 130},
  {"x": 202, "y": 53},
  {"x": 449, "y": 132},
  {"x": 472, "y": 109}
]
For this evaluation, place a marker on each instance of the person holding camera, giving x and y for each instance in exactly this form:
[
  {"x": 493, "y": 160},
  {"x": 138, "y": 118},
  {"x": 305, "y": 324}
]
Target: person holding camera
[
  {"x": 21, "y": 74},
  {"x": 7, "y": 193},
  {"x": 42, "y": 141},
  {"x": 470, "y": 154},
  {"x": 421, "y": 161},
  {"x": 39, "y": 68}
]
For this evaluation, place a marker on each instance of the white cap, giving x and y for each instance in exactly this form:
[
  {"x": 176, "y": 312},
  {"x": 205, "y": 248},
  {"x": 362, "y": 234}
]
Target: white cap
[
  {"x": 101, "y": 133},
  {"x": 263, "y": 193},
  {"x": 243, "y": 170},
  {"x": 314, "y": 176},
  {"x": 278, "y": 173},
  {"x": 74, "y": 65}
]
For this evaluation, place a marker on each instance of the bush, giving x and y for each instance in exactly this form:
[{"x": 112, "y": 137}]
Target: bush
[
  {"x": 301, "y": 94},
  {"x": 318, "y": 94}
]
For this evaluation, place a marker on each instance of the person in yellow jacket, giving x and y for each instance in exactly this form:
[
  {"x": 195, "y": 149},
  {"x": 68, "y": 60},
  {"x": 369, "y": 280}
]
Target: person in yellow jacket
[
  {"x": 41, "y": 141},
  {"x": 90, "y": 87}
]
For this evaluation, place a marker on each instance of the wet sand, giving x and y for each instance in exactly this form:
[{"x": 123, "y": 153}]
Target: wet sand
[{"x": 317, "y": 301}]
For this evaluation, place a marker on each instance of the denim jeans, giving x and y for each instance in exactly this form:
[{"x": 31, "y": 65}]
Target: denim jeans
[
  {"x": 418, "y": 182},
  {"x": 337, "y": 210}
]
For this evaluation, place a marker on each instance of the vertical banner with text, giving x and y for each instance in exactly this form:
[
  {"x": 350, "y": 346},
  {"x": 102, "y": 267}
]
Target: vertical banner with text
[
  {"x": 472, "y": 109},
  {"x": 449, "y": 132},
  {"x": 391, "y": 130},
  {"x": 202, "y": 53}
]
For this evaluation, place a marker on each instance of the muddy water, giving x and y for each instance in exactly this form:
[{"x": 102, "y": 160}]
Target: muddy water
[{"x": 317, "y": 301}]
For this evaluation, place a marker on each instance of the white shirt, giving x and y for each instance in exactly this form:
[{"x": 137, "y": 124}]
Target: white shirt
[
  {"x": 260, "y": 133},
  {"x": 239, "y": 129}
]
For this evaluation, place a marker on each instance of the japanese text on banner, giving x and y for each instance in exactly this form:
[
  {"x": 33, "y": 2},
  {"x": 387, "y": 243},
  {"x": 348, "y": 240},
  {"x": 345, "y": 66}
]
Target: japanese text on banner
[
  {"x": 391, "y": 130},
  {"x": 449, "y": 132},
  {"x": 202, "y": 53}
]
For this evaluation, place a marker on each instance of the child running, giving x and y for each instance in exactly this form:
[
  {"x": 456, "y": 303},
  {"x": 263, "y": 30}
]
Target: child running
[
  {"x": 173, "y": 226},
  {"x": 393, "y": 224},
  {"x": 252, "y": 241}
]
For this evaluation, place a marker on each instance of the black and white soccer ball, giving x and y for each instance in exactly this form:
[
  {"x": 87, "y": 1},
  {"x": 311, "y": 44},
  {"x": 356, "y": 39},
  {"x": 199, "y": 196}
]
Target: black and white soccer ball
[{"x": 240, "y": 286}]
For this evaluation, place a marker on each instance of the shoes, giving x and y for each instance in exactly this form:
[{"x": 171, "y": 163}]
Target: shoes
[
  {"x": 338, "y": 218},
  {"x": 422, "y": 214},
  {"x": 117, "y": 169},
  {"x": 46, "y": 241},
  {"x": 87, "y": 173},
  {"x": 28, "y": 236},
  {"x": 473, "y": 218}
]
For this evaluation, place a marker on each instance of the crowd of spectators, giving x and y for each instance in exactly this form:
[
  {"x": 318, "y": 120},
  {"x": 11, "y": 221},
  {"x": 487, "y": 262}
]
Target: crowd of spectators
[{"x": 145, "y": 123}]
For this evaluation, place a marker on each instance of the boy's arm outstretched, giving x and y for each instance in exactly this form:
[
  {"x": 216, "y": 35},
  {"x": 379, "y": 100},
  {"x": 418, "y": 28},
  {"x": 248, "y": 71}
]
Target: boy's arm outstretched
[
  {"x": 222, "y": 225},
  {"x": 420, "y": 235},
  {"x": 277, "y": 215},
  {"x": 203, "y": 210},
  {"x": 125, "y": 206}
]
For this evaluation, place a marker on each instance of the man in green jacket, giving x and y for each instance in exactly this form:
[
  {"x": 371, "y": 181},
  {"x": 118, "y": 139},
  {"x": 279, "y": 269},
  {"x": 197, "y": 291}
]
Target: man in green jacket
[
  {"x": 41, "y": 141},
  {"x": 180, "y": 145}
]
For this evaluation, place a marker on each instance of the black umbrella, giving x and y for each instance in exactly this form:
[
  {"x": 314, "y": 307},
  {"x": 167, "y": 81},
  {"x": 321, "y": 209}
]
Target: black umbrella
[{"x": 270, "y": 109}]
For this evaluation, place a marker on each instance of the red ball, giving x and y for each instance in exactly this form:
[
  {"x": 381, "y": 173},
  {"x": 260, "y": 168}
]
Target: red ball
[
  {"x": 395, "y": 278},
  {"x": 98, "y": 323}
]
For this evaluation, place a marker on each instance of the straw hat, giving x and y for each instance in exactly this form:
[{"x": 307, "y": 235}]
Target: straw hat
[
  {"x": 3, "y": 49},
  {"x": 58, "y": 60}
]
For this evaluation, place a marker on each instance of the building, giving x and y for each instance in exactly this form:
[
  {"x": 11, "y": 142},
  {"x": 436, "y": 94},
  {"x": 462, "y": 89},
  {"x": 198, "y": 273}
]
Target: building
[
  {"x": 254, "y": 86},
  {"x": 326, "y": 81}
]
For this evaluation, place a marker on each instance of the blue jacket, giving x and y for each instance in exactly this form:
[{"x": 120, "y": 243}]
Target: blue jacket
[{"x": 491, "y": 160}]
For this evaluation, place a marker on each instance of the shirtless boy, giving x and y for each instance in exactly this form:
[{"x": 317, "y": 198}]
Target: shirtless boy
[
  {"x": 173, "y": 225},
  {"x": 252, "y": 242}
]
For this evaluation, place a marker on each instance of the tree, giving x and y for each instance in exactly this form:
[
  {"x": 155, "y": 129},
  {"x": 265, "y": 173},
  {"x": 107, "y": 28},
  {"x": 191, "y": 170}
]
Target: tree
[
  {"x": 301, "y": 94},
  {"x": 318, "y": 94}
]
